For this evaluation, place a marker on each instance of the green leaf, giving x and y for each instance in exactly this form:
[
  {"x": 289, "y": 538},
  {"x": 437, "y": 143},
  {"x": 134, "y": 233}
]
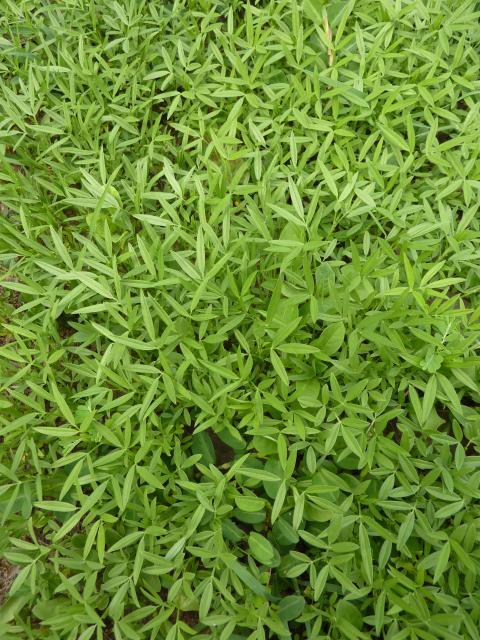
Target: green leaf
[
  {"x": 429, "y": 398},
  {"x": 202, "y": 445},
  {"x": 320, "y": 582},
  {"x": 246, "y": 577},
  {"x": 291, "y": 607},
  {"x": 279, "y": 368},
  {"x": 366, "y": 553},
  {"x": 258, "y": 474},
  {"x": 89, "y": 503},
  {"x": 279, "y": 500},
  {"x": 176, "y": 549},
  {"x": 54, "y": 505},
  {"x": 392, "y": 137},
  {"x": 442, "y": 562},
  {"x": 249, "y": 503},
  {"x": 405, "y": 530},
  {"x": 450, "y": 392},
  {"x": 331, "y": 338},
  {"x": 62, "y": 404},
  {"x": 261, "y": 548},
  {"x": 205, "y": 600},
  {"x": 126, "y": 541},
  {"x": 450, "y": 509},
  {"x": 297, "y": 348}
]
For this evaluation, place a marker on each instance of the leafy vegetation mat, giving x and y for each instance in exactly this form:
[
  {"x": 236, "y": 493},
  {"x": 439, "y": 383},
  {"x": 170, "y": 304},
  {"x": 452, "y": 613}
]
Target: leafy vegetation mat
[{"x": 240, "y": 320}]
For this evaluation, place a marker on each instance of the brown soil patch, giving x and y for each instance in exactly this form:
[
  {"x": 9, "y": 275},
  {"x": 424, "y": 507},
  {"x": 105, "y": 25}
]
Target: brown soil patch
[{"x": 8, "y": 573}]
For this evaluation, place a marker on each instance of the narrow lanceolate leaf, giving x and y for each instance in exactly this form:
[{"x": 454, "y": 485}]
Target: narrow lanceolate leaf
[
  {"x": 176, "y": 548},
  {"x": 392, "y": 137},
  {"x": 329, "y": 179},
  {"x": 449, "y": 391},
  {"x": 429, "y": 397},
  {"x": 320, "y": 582},
  {"x": 366, "y": 553},
  {"x": 127, "y": 487},
  {"x": 126, "y": 541},
  {"x": 93, "y": 284},
  {"x": 296, "y": 198},
  {"x": 442, "y": 561},
  {"x": 147, "y": 317},
  {"x": 222, "y": 371},
  {"x": 279, "y": 500},
  {"x": 62, "y": 404},
  {"x": 206, "y": 600},
  {"x": 246, "y": 577},
  {"x": 54, "y": 505},
  {"x": 154, "y": 220},
  {"x": 89, "y": 503},
  {"x": 139, "y": 560},
  {"x": 278, "y": 366},
  {"x": 258, "y": 474},
  {"x": 406, "y": 529},
  {"x": 450, "y": 509}
]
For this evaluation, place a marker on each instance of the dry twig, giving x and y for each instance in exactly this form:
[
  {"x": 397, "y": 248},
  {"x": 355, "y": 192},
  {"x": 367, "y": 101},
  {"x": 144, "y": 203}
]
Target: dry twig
[{"x": 329, "y": 34}]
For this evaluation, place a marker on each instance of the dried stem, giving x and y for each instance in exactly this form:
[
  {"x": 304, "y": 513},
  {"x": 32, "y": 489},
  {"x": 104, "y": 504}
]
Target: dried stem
[{"x": 329, "y": 34}]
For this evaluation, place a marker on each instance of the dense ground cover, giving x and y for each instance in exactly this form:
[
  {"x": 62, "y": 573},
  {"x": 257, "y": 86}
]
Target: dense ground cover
[{"x": 239, "y": 320}]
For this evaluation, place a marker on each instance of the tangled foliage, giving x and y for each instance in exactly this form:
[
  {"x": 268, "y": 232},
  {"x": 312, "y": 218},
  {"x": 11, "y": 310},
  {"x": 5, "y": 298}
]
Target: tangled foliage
[{"x": 239, "y": 270}]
